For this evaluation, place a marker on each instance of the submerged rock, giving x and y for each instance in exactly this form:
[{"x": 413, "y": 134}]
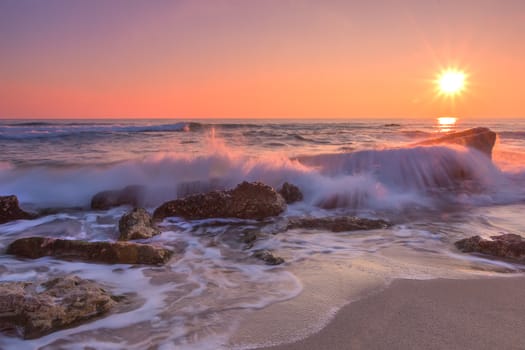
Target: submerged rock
[
  {"x": 268, "y": 257},
  {"x": 33, "y": 309},
  {"x": 130, "y": 195},
  {"x": 480, "y": 138},
  {"x": 246, "y": 201},
  {"x": 507, "y": 246},
  {"x": 137, "y": 224},
  {"x": 102, "y": 252},
  {"x": 337, "y": 224},
  {"x": 10, "y": 210},
  {"x": 290, "y": 193}
]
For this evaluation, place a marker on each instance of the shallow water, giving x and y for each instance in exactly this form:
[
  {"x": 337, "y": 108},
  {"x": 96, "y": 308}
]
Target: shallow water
[{"x": 216, "y": 295}]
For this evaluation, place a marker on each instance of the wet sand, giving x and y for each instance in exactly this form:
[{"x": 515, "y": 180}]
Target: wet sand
[{"x": 432, "y": 314}]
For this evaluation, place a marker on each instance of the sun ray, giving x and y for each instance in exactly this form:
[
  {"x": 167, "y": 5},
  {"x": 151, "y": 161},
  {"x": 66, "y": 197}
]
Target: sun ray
[{"x": 451, "y": 82}]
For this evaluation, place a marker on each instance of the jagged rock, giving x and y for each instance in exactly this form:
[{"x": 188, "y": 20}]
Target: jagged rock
[
  {"x": 194, "y": 187},
  {"x": 268, "y": 257},
  {"x": 337, "y": 224},
  {"x": 33, "y": 309},
  {"x": 480, "y": 138},
  {"x": 507, "y": 246},
  {"x": 102, "y": 252},
  {"x": 246, "y": 201},
  {"x": 10, "y": 210},
  {"x": 290, "y": 193},
  {"x": 137, "y": 224},
  {"x": 129, "y": 195}
]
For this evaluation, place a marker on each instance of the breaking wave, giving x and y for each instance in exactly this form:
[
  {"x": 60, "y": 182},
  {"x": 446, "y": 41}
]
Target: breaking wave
[{"x": 363, "y": 180}]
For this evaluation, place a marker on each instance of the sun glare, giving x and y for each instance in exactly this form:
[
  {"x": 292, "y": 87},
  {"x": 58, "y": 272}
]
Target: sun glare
[{"x": 451, "y": 82}]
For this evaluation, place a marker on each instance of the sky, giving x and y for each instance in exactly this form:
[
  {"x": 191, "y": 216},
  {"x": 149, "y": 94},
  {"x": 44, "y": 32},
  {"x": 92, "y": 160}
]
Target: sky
[{"x": 259, "y": 59}]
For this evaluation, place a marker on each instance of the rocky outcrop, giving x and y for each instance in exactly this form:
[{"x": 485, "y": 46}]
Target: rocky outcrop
[
  {"x": 101, "y": 252},
  {"x": 137, "y": 224},
  {"x": 337, "y": 224},
  {"x": 480, "y": 138},
  {"x": 290, "y": 193},
  {"x": 194, "y": 187},
  {"x": 10, "y": 210},
  {"x": 246, "y": 201},
  {"x": 268, "y": 257},
  {"x": 129, "y": 195},
  {"x": 33, "y": 309},
  {"x": 507, "y": 246}
]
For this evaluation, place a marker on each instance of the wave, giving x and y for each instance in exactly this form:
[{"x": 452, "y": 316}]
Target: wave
[
  {"x": 520, "y": 135},
  {"x": 416, "y": 133},
  {"x": 393, "y": 179},
  {"x": 31, "y": 124},
  {"x": 50, "y": 130},
  {"x": 309, "y": 140}
]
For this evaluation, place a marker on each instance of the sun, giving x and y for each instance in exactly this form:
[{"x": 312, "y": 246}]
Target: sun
[{"x": 451, "y": 82}]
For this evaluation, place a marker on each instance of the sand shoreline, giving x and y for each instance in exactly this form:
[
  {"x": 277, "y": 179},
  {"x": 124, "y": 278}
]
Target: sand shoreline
[{"x": 486, "y": 313}]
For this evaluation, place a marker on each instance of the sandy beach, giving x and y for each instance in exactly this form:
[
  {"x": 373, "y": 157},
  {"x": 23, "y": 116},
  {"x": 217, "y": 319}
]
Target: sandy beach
[{"x": 429, "y": 314}]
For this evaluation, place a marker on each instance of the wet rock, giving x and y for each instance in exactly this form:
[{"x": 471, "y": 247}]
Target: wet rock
[
  {"x": 246, "y": 201},
  {"x": 10, "y": 210},
  {"x": 480, "y": 138},
  {"x": 33, "y": 309},
  {"x": 355, "y": 200},
  {"x": 507, "y": 246},
  {"x": 101, "y": 252},
  {"x": 290, "y": 193},
  {"x": 337, "y": 224},
  {"x": 137, "y": 224},
  {"x": 248, "y": 238},
  {"x": 268, "y": 257},
  {"x": 129, "y": 195},
  {"x": 194, "y": 187}
]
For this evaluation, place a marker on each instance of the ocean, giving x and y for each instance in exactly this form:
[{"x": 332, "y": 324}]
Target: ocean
[{"x": 217, "y": 296}]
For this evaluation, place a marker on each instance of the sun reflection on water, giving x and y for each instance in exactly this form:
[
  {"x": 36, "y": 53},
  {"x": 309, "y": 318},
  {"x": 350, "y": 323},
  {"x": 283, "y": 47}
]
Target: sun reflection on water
[{"x": 446, "y": 124}]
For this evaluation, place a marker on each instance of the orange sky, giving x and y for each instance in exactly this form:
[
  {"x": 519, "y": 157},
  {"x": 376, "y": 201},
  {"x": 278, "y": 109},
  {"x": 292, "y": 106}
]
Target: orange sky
[{"x": 244, "y": 58}]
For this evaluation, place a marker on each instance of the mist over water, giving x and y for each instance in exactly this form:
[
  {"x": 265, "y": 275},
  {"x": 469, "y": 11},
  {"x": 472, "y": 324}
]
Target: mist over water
[
  {"x": 433, "y": 195},
  {"x": 63, "y": 163}
]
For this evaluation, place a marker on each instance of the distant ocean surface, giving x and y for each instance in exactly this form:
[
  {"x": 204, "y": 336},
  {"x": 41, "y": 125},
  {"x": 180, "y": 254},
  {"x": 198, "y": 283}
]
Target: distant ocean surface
[{"x": 214, "y": 295}]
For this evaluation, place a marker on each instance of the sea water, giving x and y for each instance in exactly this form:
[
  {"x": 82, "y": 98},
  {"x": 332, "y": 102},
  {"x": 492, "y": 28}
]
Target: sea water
[{"x": 216, "y": 295}]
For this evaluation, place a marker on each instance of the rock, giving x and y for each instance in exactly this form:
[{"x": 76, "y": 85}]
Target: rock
[
  {"x": 480, "y": 138},
  {"x": 344, "y": 200},
  {"x": 102, "y": 252},
  {"x": 194, "y": 187},
  {"x": 129, "y": 195},
  {"x": 337, "y": 224},
  {"x": 246, "y": 201},
  {"x": 33, "y": 309},
  {"x": 10, "y": 211},
  {"x": 507, "y": 246},
  {"x": 268, "y": 257},
  {"x": 137, "y": 224},
  {"x": 290, "y": 193}
]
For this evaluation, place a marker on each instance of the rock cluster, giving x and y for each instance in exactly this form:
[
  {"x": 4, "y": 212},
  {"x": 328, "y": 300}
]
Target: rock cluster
[
  {"x": 507, "y": 246},
  {"x": 246, "y": 201},
  {"x": 103, "y": 252},
  {"x": 137, "y": 224},
  {"x": 129, "y": 195},
  {"x": 290, "y": 193},
  {"x": 10, "y": 210},
  {"x": 33, "y": 309}
]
